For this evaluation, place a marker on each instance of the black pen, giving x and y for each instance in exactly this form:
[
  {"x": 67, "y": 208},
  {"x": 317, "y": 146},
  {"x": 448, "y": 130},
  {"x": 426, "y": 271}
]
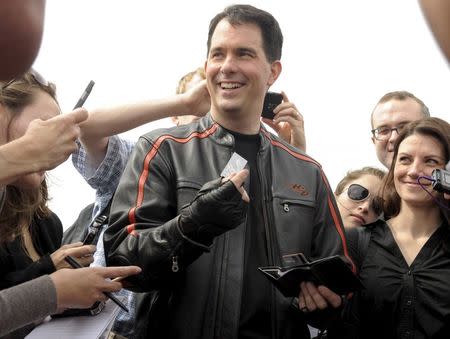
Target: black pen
[
  {"x": 75, "y": 264},
  {"x": 85, "y": 94}
]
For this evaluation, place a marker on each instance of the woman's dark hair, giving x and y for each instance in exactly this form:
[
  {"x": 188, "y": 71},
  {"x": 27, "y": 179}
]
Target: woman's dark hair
[{"x": 432, "y": 127}]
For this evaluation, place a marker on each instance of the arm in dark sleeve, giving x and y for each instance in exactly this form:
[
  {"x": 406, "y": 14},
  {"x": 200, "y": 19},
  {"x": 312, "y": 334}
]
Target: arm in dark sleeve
[
  {"x": 47, "y": 235},
  {"x": 144, "y": 225}
]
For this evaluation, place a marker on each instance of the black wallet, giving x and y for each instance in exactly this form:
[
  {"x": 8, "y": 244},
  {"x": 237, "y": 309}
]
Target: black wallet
[{"x": 332, "y": 272}]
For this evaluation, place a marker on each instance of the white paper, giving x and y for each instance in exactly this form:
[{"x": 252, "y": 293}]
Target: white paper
[
  {"x": 85, "y": 327},
  {"x": 235, "y": 164}
]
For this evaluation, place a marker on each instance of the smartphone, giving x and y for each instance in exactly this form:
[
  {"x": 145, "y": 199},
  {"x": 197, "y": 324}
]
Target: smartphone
[{"x": 271, "y": 101}]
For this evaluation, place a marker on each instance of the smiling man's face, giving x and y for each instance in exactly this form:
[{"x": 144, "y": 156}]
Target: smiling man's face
[{"x": 237, "y": 70}]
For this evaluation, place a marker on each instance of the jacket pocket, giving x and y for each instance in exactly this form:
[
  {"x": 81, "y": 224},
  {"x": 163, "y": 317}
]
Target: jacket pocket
[
  {"x": 294, "y": 223},
  {"x": 186, "y": 192}
]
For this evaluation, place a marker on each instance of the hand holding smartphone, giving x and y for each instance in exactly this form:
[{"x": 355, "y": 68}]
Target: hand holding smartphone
[{"x": 271, "y": 101}]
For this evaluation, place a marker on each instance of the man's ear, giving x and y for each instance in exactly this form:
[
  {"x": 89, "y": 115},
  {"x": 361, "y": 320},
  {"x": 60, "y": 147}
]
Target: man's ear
[
  {"x": 175, "y": 120},
  {"x": 275, "y": 71}
]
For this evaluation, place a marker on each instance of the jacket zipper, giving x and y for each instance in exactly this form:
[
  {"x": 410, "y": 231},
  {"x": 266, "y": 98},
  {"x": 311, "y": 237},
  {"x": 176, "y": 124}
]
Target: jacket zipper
[
  {"x": 266, "y": 217},
  {"x": 175, "y": 267},
  {"x": 270, "y": 252}
]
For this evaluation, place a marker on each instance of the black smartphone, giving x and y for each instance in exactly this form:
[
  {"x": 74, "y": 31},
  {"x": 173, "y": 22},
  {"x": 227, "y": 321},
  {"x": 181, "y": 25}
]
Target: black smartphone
[{"x": 271, "y": 101}]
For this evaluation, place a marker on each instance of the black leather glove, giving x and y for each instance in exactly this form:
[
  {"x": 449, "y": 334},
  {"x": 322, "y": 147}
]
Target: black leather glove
[{"x": 217, "y": 208}]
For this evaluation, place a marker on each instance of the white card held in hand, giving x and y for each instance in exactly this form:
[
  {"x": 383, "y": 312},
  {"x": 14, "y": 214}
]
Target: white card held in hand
[{"x": 235, "y": 164}]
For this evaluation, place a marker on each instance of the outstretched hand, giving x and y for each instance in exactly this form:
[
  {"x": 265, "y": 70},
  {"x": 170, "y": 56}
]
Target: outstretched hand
[
  {"x": 82, "y": 253},
  {"x": 82, "y": 287}
]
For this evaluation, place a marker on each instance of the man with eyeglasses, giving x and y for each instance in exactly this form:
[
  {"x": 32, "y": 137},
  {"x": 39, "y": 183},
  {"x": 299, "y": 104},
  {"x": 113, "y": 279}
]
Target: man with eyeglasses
[{"x": 392, "y": 112}]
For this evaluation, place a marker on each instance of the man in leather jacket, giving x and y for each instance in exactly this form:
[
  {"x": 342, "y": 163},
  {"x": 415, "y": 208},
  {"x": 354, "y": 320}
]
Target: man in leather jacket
[{"x": 197, "y": 237}]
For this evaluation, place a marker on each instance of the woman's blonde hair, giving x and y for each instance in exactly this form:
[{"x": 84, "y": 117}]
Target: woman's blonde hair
[
  {"x": 186, "y": 79},
  {"x": 356, "y": 174}
]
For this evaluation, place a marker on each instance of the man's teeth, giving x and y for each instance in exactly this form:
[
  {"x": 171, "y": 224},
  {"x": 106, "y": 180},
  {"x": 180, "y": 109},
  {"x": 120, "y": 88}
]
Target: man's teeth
[{"x": 229, "y": 85}]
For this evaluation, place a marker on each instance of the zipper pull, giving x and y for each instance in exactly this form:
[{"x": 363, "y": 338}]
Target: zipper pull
[
  {"x": 175, "y": 267},
  {"x": 286, "y": 207}
]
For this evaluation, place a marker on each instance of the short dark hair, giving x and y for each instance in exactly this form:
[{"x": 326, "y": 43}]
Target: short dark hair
[
  {"x": 401, "y": 96},
  {"x": 270, "y": 29}
]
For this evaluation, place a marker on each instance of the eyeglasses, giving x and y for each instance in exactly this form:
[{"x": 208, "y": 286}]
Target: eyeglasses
[
  {"x": 384, "y": 133},
  {"x": 357, "y": 192},
  {"x": 36, "y": 76}
]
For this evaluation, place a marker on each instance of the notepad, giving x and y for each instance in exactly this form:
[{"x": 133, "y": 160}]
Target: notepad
[
  {"x": 78, "y": 327},
  {"x": 331, "y": 272}
]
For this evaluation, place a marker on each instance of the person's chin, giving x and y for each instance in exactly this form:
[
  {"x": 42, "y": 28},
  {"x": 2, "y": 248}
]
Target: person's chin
[
  {"x": 230, "y": 107},
  {"x": 351, "y": 224},
  {"x": 354, "y": 221}
]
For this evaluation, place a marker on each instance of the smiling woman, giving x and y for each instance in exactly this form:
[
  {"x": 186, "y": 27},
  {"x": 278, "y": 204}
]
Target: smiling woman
[
  {"x": 30, "y": 233},
  {"x": 406, "y": 264}
]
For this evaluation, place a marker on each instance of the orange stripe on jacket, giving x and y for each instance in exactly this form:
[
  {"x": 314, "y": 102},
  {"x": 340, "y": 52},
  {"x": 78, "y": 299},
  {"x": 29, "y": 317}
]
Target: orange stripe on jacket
[
  {"x": 149, "y": 157},
  {"x": 334, "y": 215}
]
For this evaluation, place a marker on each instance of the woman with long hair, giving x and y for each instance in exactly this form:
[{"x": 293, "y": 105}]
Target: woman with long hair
[
  {"x": 30, "y": 234},
  {"x": 405, "y": 264}
]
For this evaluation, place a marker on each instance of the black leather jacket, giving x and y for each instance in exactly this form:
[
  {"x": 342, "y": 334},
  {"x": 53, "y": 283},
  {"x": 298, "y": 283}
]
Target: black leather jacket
[{"x": 201, "y": 288}]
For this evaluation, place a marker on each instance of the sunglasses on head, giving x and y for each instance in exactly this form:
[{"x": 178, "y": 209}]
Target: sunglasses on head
[
  {"x": 357, "y": 192},
  {"x": 36, "y": 76}
]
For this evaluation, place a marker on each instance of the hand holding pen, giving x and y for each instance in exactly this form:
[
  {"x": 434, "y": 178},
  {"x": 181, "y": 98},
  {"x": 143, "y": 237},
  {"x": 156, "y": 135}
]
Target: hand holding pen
[{"x": 72, "y": 262}]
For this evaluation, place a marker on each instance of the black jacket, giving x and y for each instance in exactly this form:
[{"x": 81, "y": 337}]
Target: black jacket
[
  {"x": 17, "y": 267},
  {"x": 203, "y": 298}
]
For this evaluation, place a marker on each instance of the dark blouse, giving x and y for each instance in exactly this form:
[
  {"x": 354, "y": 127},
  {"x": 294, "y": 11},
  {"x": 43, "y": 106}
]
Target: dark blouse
[
  {"x": 401, "y": 301},
  {"x": 17, "y": 267}
]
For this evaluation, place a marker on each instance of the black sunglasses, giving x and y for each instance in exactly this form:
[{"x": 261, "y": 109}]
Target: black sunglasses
[{"x": 357, "y": 192}]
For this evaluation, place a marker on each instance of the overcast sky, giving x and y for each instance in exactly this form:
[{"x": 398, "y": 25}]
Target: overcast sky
[{"x": 339, "y": 58}]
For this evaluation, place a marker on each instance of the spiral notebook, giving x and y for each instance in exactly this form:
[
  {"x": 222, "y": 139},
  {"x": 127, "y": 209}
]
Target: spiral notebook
[{"x": 79, "y": 327}]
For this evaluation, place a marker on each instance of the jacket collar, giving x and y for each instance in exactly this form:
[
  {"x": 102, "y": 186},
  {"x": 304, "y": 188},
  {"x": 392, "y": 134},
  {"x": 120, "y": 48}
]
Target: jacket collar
[{"x": 223, "y": 137}]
